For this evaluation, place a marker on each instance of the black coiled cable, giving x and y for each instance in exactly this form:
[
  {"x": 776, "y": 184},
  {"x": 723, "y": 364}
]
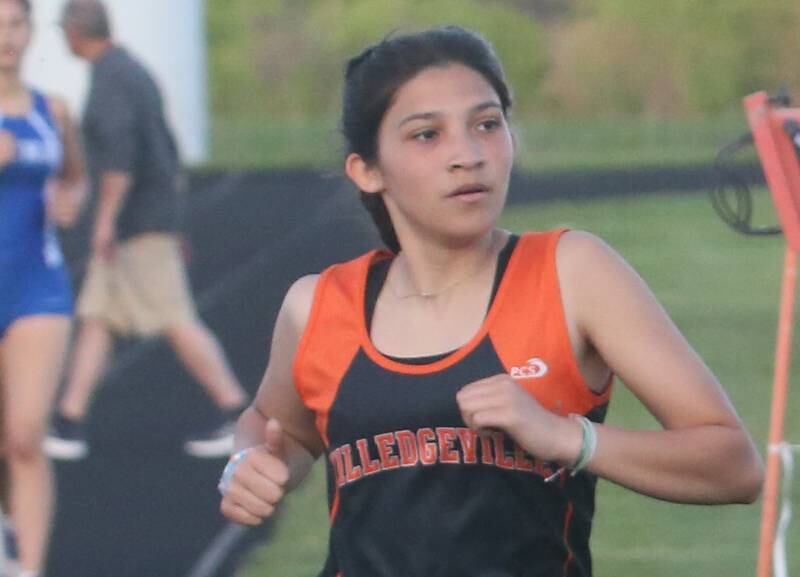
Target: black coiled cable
[{"x": 731, "y": 196}]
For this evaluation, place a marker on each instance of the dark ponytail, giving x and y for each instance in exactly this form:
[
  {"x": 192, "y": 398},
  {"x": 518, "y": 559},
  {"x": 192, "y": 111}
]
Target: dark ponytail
[{"x": 377, "y": 210}]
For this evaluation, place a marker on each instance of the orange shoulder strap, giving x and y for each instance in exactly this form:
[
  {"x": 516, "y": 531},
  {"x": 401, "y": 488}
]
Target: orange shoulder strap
[
  {"x": 529, "y": 330},
  {"x": 332, "y": 336}
]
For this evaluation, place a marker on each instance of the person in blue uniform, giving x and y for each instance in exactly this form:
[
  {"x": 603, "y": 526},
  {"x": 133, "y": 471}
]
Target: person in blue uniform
[
  {"x": 41, "y": 179},
  {"x": 457, "y": 383}
]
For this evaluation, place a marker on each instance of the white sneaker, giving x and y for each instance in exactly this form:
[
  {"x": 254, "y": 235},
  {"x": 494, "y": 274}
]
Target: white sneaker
[
  {"x": 217, "y": 442},
  {"x": 66, "y": 439}
]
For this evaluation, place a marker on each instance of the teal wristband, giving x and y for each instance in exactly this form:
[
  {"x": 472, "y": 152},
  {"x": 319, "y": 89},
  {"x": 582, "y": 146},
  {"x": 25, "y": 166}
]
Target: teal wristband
[
  {"x": 588, "y": 444},
  {"x": 588, "y": 448}
]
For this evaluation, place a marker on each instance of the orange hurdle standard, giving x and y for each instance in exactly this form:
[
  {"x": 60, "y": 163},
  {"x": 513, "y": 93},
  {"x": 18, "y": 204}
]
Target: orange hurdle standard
[{"x": 782, "y": 171}]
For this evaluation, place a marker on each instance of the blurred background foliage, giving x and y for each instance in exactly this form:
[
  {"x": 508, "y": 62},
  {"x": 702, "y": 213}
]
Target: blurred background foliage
[
  {"x": 285, "y": 58},
  {"x": 623, "y": 65}
]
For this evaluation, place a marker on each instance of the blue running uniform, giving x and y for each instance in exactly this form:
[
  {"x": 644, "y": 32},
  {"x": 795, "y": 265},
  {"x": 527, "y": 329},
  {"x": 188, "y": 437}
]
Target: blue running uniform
[{"x": 33, "y": 278}]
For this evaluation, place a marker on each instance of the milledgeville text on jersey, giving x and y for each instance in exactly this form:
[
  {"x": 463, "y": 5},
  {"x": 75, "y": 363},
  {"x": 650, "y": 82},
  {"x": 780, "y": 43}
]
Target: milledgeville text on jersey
[{"x": 432, "y": 446}]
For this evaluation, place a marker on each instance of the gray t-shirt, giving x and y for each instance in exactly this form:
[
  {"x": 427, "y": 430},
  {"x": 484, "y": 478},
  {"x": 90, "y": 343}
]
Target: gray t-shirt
[{"x": 125, "y": 130}]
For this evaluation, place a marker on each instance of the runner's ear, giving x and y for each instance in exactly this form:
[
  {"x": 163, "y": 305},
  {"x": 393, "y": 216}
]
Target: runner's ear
[{"x": 367, "y": 177}]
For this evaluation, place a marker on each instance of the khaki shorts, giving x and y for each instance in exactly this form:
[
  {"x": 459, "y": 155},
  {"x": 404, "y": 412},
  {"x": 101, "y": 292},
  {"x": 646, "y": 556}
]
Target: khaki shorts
[{"x": 142, "y": 291}]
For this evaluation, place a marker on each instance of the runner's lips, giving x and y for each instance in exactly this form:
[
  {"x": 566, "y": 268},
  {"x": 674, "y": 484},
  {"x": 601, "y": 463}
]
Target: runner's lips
[{"x": 469, "y": 189}]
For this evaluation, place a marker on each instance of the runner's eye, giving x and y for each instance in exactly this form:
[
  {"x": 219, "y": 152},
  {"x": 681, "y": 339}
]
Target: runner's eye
[
  {"x": 490, "y": 124},
  {"x": 425, "y": 135}
]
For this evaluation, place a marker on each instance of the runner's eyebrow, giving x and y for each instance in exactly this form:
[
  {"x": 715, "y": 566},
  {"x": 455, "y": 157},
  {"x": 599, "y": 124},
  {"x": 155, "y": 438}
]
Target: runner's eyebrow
[{"x": 430, "y": 115}]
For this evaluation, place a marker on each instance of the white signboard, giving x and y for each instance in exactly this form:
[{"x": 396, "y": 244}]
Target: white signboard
[{"x": 168, "y": 36}]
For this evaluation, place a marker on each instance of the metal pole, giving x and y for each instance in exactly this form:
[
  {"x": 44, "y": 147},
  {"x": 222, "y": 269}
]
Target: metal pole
[{"x": 783, "y": 354}]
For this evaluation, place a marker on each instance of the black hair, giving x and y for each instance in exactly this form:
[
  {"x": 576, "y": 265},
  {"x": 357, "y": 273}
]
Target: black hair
[{"x": 373, "y": 77}]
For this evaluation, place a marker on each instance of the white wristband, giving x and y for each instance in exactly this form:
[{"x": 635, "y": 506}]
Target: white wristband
[{"x": 229, "y": 470}]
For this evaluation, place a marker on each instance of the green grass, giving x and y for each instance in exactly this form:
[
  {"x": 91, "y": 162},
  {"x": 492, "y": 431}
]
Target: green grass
[
  {"x": 722, "y": 290},
  {"x": 621, "y": 142},
  {"x": 542, "y": 144}
]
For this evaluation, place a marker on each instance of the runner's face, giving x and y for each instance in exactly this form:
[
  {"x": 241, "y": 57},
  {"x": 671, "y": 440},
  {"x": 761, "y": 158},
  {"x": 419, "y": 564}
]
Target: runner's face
[
  {"x": 15, "y": 34},
  {"x": 444, "y": 155}
]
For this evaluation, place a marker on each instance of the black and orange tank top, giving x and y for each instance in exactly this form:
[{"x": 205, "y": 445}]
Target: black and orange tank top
[{"x": 412, "y": 491}]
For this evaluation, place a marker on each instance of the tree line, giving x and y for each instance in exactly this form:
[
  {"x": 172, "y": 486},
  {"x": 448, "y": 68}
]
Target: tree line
[{"x": 575, "y": 58}]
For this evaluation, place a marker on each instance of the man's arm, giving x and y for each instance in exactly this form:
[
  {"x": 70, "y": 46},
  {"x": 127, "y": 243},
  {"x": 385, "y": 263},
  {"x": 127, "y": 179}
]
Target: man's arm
[
  {"x": 113, "y": 148},
  {"x": 114, "y": 186}
]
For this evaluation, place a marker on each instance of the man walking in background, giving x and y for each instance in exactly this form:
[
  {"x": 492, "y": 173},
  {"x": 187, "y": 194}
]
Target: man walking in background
[{"x": 136, "y": 282}]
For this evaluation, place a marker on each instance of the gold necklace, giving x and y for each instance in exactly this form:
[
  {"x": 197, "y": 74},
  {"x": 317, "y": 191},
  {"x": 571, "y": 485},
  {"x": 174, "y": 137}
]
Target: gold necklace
[{"x": 431, "y": 294}]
